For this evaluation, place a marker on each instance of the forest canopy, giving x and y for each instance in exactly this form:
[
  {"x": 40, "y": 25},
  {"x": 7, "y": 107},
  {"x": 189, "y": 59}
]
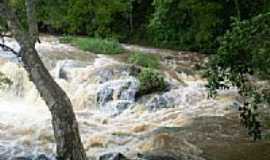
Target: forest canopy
[{"x": 178, "y": 24}]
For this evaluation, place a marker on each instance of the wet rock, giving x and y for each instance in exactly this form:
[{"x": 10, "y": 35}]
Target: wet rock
[
  {"x": 117, "y": 95},
  {"x": 22, "y": 158},
  {"x": 105, "y": 75},
  {"x": 113, "y": 156},
  {"x": 40, "y": 157},
  {"x": 111, "y": 72},
  {"x": 184, "y": 96},
  {"x": 155, "y": 157},
  {"x": 104, "y": 95},
  {"x": 62, "y": 68},
  {"x": 159, "y": 102},
  {"x": 122, "y": 105},
  {"x": 166, "y": 100},
  {"x": 115, "y": 108},
  {"x": 62, "y": 74},
  {"x": 127, "y": 90}
]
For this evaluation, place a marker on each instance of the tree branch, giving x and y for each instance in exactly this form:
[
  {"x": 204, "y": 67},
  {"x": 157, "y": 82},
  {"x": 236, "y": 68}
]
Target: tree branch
[{"x": 7, "y": 48}]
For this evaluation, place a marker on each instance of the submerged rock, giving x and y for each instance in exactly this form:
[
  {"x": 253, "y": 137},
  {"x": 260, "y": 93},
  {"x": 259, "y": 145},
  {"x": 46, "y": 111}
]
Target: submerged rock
[
  {"x": 22, "y": 158},
  {"x": 104, "y": 95},
  {"x": 155, "y": 157},
  {"x": 105, "y": 75},
  {"x": 159, "y": 102},
  {"x": 39, "y": 157},
  {"x": 62, "y": 68},
  {"x": 42, "y": 157},
  {"x": 184, "y": 96},
  {"x": 116, "y": 107},
  {"x": 113, "y": 156}
]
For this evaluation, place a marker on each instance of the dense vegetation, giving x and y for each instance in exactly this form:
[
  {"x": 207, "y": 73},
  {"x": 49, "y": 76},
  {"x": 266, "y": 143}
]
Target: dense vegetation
[
  {"x": 95, "y": 45},
  {"x": 244, "y": 54},
  {"x": 150, "y": 81},
  {"x": 180, "y": 24}
]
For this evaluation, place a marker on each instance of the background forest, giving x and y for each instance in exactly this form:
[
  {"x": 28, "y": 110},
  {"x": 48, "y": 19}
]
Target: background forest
[{"x": 177, "y": 24}]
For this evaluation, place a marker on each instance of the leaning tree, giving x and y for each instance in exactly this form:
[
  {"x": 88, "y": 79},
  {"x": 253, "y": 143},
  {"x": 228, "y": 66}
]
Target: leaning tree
[{"x": 65, "y": 125}]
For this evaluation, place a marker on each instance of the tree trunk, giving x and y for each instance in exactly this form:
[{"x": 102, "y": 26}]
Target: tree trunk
[
  {"x": 32, "y": 20},
  {"x": 66, "y": 130}
]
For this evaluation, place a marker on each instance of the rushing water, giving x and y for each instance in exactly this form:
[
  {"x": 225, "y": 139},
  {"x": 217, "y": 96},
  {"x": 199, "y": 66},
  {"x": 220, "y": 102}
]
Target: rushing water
[{"x": 25, "y": 128}]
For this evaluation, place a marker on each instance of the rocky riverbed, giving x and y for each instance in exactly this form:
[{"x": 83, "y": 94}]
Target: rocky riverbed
[{"x": 181, "y": 123}]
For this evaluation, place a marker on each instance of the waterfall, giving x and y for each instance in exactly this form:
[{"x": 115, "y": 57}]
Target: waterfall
[{"x": 102, "y": 91}]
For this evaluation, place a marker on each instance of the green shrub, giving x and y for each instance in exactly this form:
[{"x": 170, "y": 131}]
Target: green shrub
[
  {"x": 96, "y": 45},
  {"x": 144, "y": 60},
  {"x": 4, "y": 81},
  {"x": 150, "y": 81}
]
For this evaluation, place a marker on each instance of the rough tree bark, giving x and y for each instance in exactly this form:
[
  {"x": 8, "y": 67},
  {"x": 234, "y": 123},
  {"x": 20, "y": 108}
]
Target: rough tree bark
[
  {"x": 32, "y": 20},
  {"x": 66, "y": 131}
]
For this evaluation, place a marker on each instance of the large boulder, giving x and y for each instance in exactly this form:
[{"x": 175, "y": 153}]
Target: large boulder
[{"x": 117, "y": 95}]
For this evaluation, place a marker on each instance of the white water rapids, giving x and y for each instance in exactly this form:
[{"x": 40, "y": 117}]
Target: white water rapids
[{"x": 25, "y": 127}]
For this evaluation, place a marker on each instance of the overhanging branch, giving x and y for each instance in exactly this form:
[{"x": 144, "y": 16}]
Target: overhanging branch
[{"x": 7, "y": 48}]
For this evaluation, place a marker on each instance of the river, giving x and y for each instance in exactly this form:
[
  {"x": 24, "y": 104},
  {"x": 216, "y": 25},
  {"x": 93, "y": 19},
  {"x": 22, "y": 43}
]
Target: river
[{"x": 140, "y": 125}]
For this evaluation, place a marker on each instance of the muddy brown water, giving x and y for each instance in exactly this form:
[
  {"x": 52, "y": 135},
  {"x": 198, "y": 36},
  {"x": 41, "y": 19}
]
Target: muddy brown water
[{"x": 197, "y": 128}]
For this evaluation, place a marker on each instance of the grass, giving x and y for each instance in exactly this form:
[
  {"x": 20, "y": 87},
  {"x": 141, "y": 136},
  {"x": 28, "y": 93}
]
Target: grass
[
  {"x": 95, "y": 45},
  {"x": 121, "y": 134},
  {"x": 144, "y": 60}
]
